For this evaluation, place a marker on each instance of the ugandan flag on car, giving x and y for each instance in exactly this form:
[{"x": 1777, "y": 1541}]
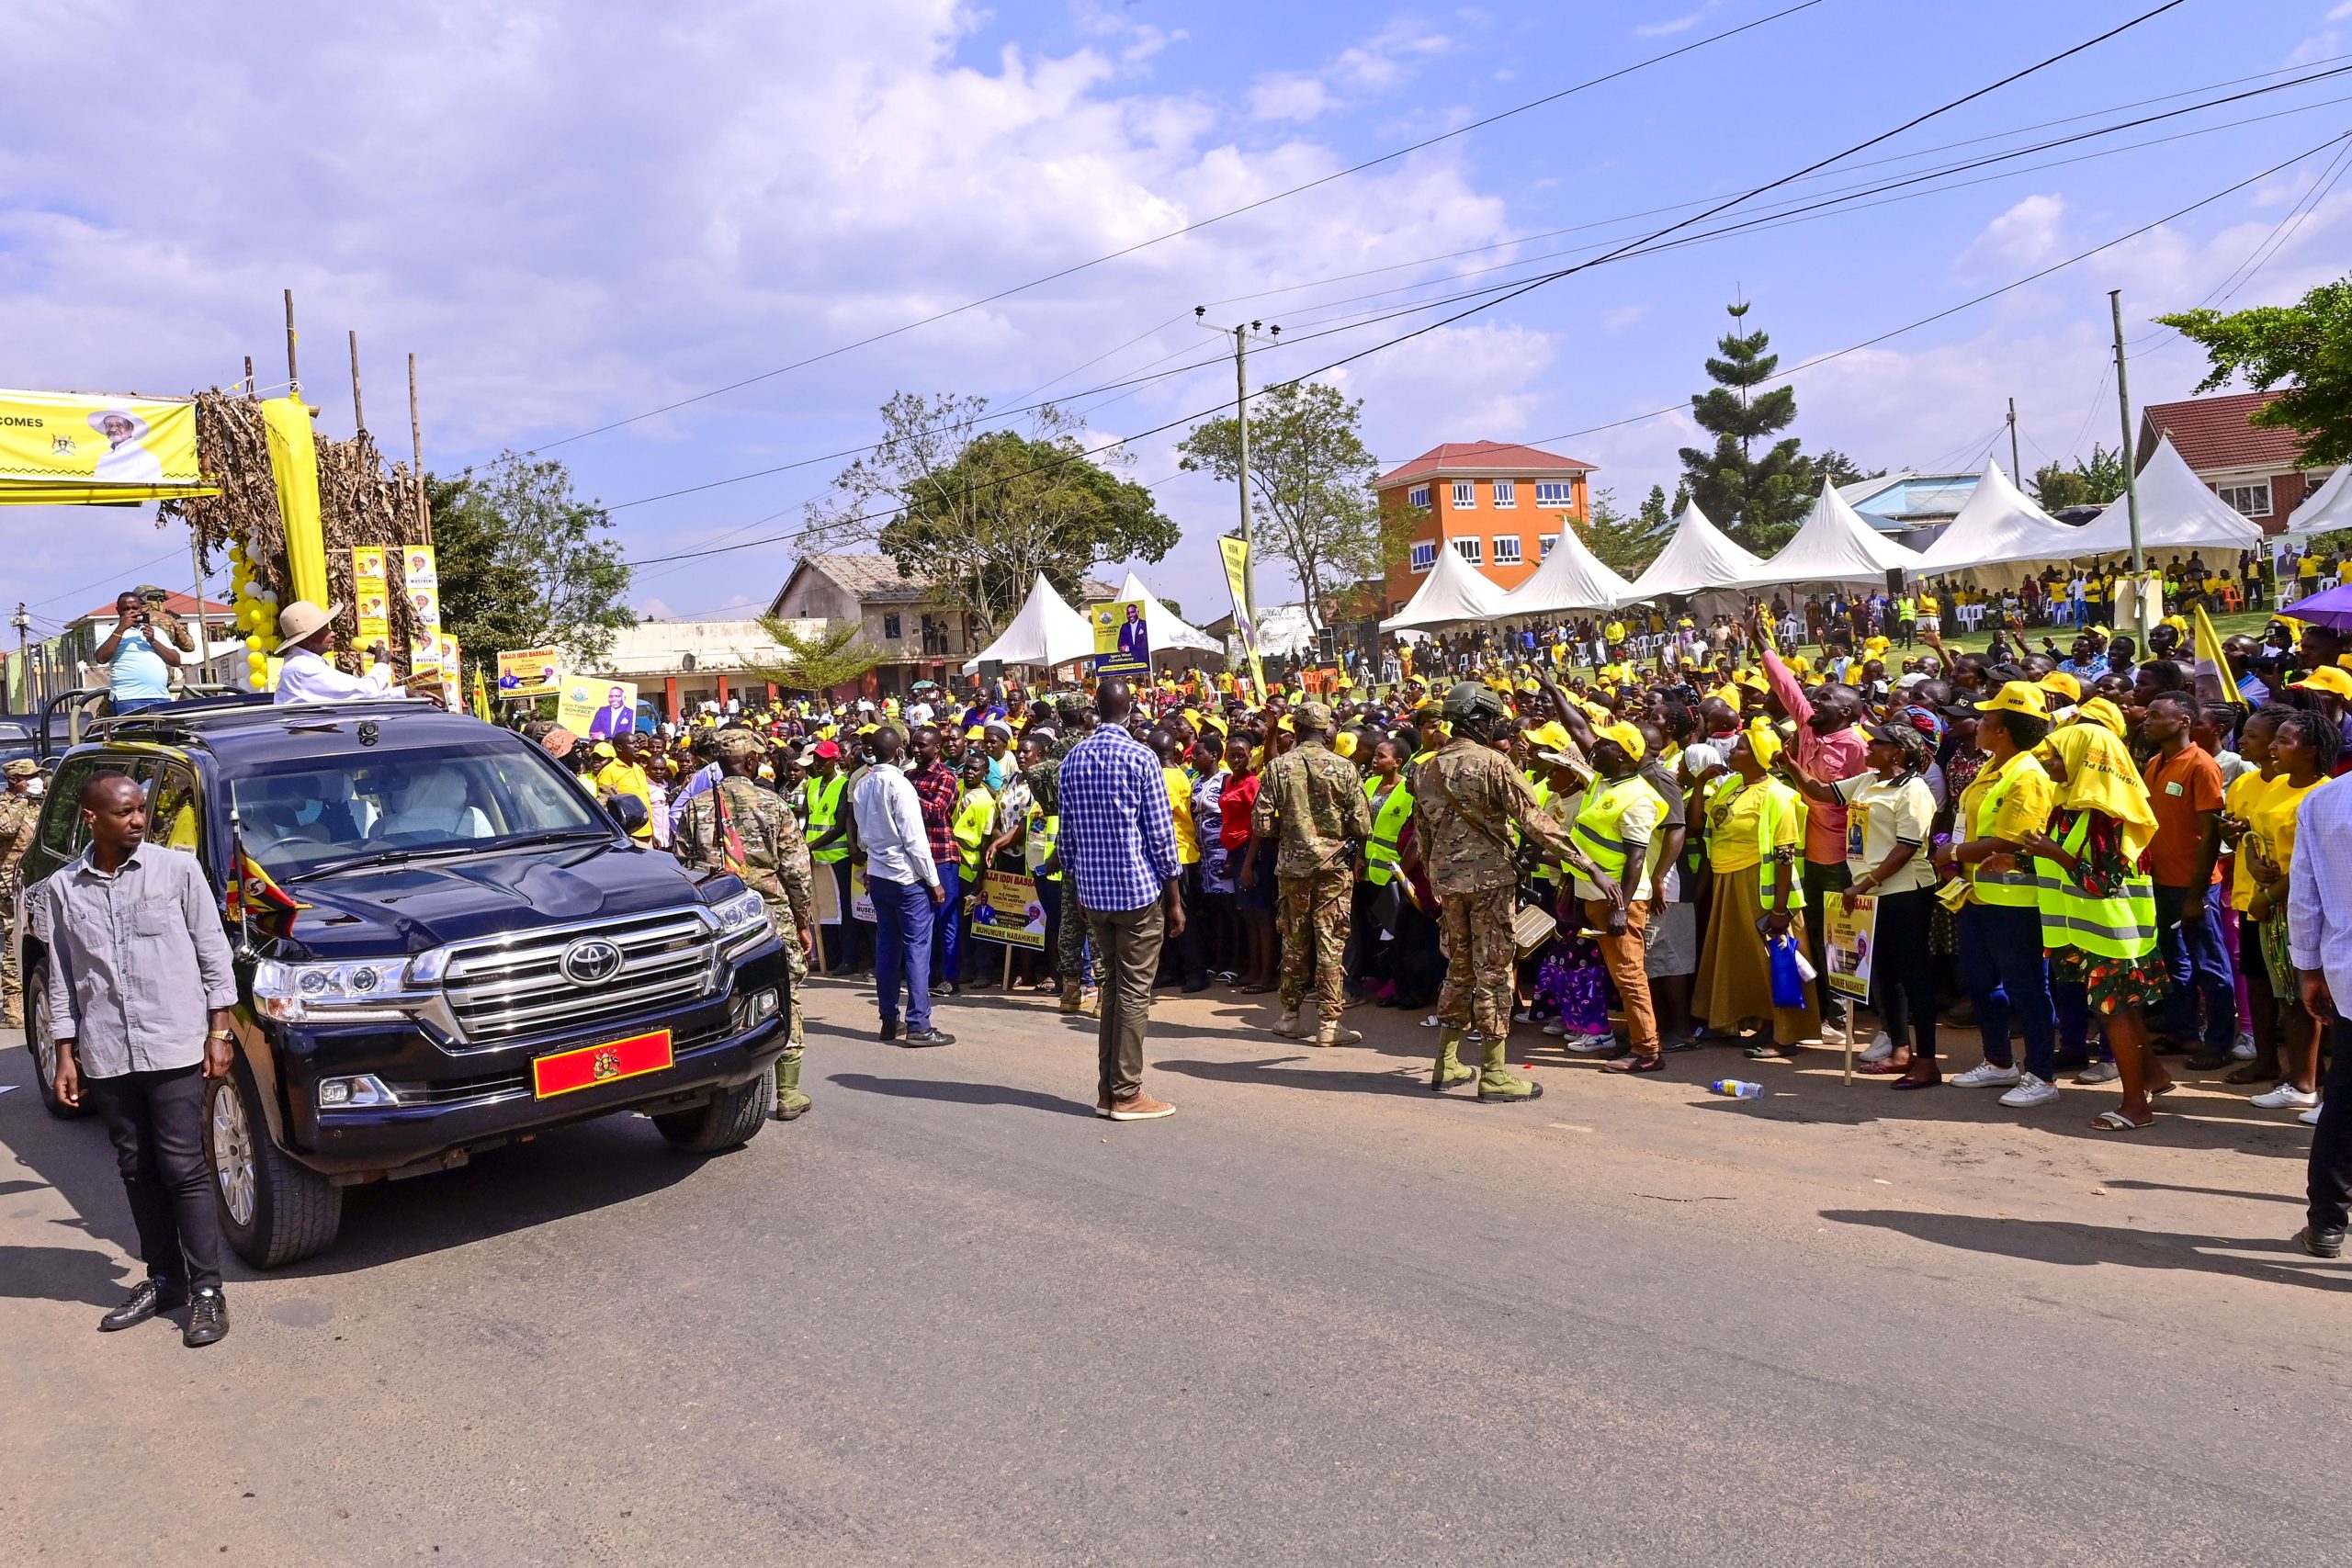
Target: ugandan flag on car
[{"x": 254, "y": 889}]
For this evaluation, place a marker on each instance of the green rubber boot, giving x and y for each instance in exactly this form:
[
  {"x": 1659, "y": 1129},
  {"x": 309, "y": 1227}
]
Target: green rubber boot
[
  {"x": 1495, "y": 1086},
  {"x": 790, "y": 1103},
  {"x": 1450, "y": 1069}
]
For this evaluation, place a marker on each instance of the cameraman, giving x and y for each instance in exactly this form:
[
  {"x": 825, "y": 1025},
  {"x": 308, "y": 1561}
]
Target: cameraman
[{"x": 139, "y": 656}]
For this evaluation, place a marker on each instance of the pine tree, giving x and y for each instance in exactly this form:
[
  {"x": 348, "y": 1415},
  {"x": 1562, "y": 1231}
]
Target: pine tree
[
  {"x": 1654, "y": 517},
  {"x": 1757, "y": 498}
]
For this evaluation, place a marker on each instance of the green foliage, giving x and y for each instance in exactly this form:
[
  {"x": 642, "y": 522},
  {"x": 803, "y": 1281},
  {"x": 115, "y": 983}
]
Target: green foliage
[
  {"x": 1626, "y": 544},
  {"x": 2094, "y": 482},
  {"x": 1655, "y": 514},
  {"x": 1311, "y": 489},
  {"x": 1757, "y": 499},
  {"x": 525, "y": 563},
  {"x": 834, "y": 655},
  {"x": 2303, "y": 350}
]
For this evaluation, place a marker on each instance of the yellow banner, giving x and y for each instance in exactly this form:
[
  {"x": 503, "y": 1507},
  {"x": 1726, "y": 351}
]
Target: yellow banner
[
  {"x": 1122, "y": 639},
  {"x": 529, "y": 672},
  {"x": 1007, "y": 910},
  {"x": 371, "y": 600},
  {"x": 597, "y": 709},
  {"x": 294, "y": 464},
  {"x": 1235, "y": 553},
  {"x": 75, "y": 440}
]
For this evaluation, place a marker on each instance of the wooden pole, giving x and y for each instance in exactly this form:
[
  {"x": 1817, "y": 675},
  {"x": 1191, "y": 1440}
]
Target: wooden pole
[
  {"x": 416, "y": 457},
  {"x": 250, "y": 390},
  {"x": 293, "y": 370},
  {"x": 359, "y": 412}
]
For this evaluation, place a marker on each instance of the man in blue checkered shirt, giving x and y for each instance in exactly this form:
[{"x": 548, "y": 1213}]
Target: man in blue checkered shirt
[{"x": 1118, "y": 839}]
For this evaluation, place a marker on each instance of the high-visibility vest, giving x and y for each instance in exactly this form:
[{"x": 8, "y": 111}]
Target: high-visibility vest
[
  {"x": 1779, "y": 801},
  {"x": 975, "y": 814},
  {"x": 1380, "y": 853},
  {"x": 2123, "y": 927},
  {"x": 1044, "y": 832},
  {"x": 2017, "y": 887},
  {"x": 824, "y": 809},
  {"x": 1596, "y": 831}
]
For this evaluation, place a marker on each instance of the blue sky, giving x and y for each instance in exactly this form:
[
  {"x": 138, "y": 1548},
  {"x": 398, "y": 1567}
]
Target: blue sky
[{"x": 575, "y": 213}]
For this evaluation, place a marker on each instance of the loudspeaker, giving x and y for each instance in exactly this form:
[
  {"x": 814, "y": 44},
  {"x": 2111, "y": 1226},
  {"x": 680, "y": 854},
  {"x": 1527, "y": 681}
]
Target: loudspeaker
[
  {"x": 1893, "y": 581},
  {"x": 991, "y": 668}
]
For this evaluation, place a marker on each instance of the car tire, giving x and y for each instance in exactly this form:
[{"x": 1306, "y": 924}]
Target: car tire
[
  {"x": 44, "y": 1054},
  {"x": 273, "y": 1211},
  {"x": 732, "y": 1117}
]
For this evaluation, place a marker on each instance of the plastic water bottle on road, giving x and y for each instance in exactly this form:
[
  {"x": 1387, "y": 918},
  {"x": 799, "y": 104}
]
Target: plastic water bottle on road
[{"x": 1737, "y": 1088}]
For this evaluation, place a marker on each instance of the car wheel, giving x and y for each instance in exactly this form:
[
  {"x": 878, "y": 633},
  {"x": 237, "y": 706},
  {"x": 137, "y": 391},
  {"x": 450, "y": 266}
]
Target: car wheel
[
  {"x": 732, "y": 1119},
  {"x": 44, "y": 1054},
  {"x": 273, "y": 1210}
]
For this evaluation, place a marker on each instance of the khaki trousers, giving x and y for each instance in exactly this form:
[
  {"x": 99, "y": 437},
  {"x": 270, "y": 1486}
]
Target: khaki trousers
[
  {"x": 1127, "y": 954},
  {"x": 1623, "y": 957}
]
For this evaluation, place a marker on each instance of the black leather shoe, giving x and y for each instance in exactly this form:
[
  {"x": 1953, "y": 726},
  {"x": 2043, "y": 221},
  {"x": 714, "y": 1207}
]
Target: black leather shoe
[
  {"x": 889, "y": 1031},
  {"x": 145, "y": 1301},
  {"x": 2320, "y": 1243},
  {"x": 207, "y": 1318},
  {"x": 928, "y": 1037}
]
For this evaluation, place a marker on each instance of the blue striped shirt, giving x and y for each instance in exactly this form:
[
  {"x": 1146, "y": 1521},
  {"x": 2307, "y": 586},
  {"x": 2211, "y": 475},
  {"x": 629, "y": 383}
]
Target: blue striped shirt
[{"x": 1118, "y": 834}]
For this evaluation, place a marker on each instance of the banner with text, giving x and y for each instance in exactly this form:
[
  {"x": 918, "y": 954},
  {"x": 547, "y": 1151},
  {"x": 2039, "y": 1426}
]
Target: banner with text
[
  {"x": 78, "y": 438},
  {"x": 1008, "y": 910},
  {"x": 371, "y": 595},
  {"x": 1850, "y": 929},
  {"x": 529, "y": 672},
  {"x": 1236, "y": 554},
  {"x": 1122, "y": 639}
]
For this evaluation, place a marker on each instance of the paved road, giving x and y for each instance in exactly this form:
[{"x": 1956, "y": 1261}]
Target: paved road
[{"x": 1314, "y": 1318}]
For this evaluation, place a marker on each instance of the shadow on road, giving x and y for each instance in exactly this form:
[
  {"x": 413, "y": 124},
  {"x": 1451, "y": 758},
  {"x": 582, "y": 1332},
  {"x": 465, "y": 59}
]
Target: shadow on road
[
  {"x": 1272, "y": 1071},
  {"x": 2074, "y": 1246},
  {"x": 61, "y": 1274},
  {"x": 953, "y": 1092}
]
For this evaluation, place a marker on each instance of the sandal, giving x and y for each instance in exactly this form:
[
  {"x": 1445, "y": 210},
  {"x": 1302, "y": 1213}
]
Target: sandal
[
  {"x": 1883, "y": 1070},
  {"x": 1769, "y": 1052},
  {"x": 1635, "y": 1062},
  {"x": 1918, "y": 1083},
  {"x": 2116, "y": 1122}
]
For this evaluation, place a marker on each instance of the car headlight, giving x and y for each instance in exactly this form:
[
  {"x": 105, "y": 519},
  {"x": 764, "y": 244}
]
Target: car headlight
[
  {"x": 361, "y": 992},
  {"x": 742, "y": 920}
]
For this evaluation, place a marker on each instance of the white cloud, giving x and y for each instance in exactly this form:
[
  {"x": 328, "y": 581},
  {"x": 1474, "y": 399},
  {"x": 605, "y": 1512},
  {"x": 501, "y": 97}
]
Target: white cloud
[
  {"x": 1673, "y": 25},
  {"x": 1380, "y": 64},
  {"x": 1619, "y": 317},
  {"x": 2024, "y": 237},
  {"x": 1290, "y": 95}
]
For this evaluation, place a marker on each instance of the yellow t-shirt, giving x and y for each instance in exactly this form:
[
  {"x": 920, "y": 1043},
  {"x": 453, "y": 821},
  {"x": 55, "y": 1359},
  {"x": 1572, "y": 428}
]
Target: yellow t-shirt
[
  {"x": 2024, "y": 811},
  {"x": 1733, "y": 818},
  {"x": 2245, "y": 791},
  {"x": 2272, "y": 822},
  {"x": 628, "y": 778},
  {"x": 1179, "y": 805}
]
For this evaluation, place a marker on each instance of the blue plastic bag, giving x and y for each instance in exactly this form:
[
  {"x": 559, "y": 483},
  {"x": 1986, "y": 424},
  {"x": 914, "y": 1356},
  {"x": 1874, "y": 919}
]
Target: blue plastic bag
[{"x": 1788, "y": 980}]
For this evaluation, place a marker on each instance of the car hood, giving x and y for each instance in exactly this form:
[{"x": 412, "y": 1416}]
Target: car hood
[{"x": 374, "y": 913}]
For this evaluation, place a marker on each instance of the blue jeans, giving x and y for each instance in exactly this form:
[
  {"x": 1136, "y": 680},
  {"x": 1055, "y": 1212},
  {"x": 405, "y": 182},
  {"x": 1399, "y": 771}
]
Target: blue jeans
[
  {"x": 2003, "y": 966},
  {"x": 133, "y": 705},
  {"x": 902, "y": 949},
  {"x": 2189, "y": 934},
  {"x": 947, "y": 940}
]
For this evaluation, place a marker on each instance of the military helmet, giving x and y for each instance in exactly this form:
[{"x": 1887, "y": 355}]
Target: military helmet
[{"x": 1469, "y": 699}]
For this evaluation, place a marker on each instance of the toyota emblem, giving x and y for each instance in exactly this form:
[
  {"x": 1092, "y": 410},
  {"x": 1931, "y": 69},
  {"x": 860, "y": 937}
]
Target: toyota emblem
[{"x": 591, "y": 960}]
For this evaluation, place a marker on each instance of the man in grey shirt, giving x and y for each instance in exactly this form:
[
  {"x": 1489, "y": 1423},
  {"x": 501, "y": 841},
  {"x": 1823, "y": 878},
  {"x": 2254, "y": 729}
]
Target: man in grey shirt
[{"x": 136, "y": 960}]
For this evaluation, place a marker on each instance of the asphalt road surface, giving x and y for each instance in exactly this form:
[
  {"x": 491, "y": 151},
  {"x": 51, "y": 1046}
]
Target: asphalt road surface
[{"x": 1317, "y": 1317}]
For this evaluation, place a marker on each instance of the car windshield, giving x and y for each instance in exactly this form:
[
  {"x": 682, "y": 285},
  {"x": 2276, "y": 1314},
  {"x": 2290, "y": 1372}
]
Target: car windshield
[{"x": 300, "y": 817}]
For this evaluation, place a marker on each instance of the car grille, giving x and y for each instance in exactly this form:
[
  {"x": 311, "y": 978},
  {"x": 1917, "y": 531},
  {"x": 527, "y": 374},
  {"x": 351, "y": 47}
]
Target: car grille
[{"x": 501, "y": 991}]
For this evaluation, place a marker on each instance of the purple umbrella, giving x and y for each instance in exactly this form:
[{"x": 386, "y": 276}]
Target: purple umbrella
[{"x": 2330, "y": 608}]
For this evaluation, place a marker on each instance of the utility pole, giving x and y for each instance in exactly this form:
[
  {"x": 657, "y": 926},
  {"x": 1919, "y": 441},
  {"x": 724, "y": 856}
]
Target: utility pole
[
  {"x": 2017, "y": 469},
  {"x": 417, "y": 459},
  {"x": 1241, "y": 425},
  {"x": 23, "y": 622},
  {"x": 358, "y": 412},
  {"x": 2131, "y": 473},
  {"x": 293, "y": 371}
]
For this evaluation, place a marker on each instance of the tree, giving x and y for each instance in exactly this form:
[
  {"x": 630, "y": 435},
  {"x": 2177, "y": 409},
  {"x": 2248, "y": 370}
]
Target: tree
[
  {"x": 1654, "y": 516},
  {"x": 525, "y": 563},
  {"x": 1757, "y": 499},
  {"x": 2303, "y": 349},
  {"x": 1310, "y": 488},
  {"x": 976, "y": 514},
  {"x": 2092, "y": 483},
  {"x": 834, "y": 655},
  {"x": 1626, "y": 545}
]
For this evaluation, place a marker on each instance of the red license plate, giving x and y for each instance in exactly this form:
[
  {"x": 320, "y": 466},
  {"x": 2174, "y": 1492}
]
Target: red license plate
[{"x": 592, "y": 1065}]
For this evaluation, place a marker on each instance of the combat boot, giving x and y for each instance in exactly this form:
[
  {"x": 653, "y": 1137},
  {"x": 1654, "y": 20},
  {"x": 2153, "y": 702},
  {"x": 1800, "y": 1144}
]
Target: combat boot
[
  {"x": 1287, "y": 1025},
  {"x": 790, "y": 1103},
  {"x": 1073, "y": 994},
  {"x": 1331, "y": 1031},
  {"x": 1092, "y": 1004},
  {"x": 1496, "y": 1084},
  {"x": 1451, "y": 1068}
]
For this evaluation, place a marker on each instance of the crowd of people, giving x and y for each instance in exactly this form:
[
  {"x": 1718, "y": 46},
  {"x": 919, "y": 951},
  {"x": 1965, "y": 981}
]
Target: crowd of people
[{"x": 2078, "y": 850}]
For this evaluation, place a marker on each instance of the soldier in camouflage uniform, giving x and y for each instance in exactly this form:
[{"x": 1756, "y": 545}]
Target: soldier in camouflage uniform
[
  {"x": 772, "y": 858},
  {"x": 1311, "y": 806},
  {"x": 1466, "y": 799},
  {"x": 19, "y": 812}
]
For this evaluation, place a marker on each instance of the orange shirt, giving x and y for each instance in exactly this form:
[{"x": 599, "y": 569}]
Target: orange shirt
[{"x": 2181, "y": 787}]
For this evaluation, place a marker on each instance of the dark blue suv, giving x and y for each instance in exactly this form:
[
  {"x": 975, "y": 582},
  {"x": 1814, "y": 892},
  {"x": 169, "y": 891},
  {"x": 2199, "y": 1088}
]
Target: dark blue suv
[{"x": 443, "y": 944}]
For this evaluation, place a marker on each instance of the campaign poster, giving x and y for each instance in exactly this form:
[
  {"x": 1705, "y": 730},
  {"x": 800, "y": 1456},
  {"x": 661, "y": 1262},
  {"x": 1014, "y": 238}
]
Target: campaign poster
[
  {"x": 1122, "y": 639},
  {"x": 861, "y": 902},
  {"x": 372, "y": 601},
  {"x": 1236, "y": 556},
  {"x": 79, "y": 438},
  {"x": 1007, "y": 910},
  {"x": 597, "y": 709},
  {"x": 419, "y": 568},
  {"x": 529, "y": 672},
  {"x": 1849, "y": 924}
]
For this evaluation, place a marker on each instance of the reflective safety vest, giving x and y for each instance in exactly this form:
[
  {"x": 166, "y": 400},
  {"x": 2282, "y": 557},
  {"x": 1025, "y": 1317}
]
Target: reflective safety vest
[
  {"x": 2123, "y": 927},
  {"x": 2017, "y": 888},
  {"x": 1044, "y": 832},
  {"x": 1779, "y": 801},
  {"x": 824, "y": 810},
  {"x": 1380, "y": 853},
  {"x": 975, "y": 815},
  {"x": 1596, "y": 831}
]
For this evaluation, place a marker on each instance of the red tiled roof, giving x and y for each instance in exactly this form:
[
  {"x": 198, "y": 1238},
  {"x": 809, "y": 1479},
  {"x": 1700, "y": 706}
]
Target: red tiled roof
[
  {"x": 1505, "y": 459},
  {"x": 2213, "y": 432},
  {"x": 181, "y": 604}
]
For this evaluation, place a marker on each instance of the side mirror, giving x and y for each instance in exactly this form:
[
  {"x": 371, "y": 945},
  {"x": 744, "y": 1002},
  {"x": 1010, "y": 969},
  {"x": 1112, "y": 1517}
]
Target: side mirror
[{"x": 629, "y": 812}]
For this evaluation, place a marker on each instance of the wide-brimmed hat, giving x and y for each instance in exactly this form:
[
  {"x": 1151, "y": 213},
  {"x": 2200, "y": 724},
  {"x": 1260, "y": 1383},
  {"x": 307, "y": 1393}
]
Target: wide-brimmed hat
[
  {"x": 301, "y": 618},
  {"x": 558, "y": 741},
  {"x": 98, "y": 418}
]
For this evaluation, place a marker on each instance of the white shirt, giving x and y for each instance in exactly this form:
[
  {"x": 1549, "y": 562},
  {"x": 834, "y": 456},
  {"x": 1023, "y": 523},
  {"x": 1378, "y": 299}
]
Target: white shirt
[
  {"x": 889, "y": 827},
  {"x": 2319, "y": 888},
  {"x": 308, "y": 678}
]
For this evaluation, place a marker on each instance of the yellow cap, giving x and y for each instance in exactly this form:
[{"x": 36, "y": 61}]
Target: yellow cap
[
  {"x": 1550, "y": 736},
  {"x": 2018, "y": 697},
  {"x": 1344, "y": 743},
  {"x": 2064, "y": 685},
  {"x": 2329, "y": 678},
  {"x": 2098, "y": 710},
  {"x": 1625, "y": 735},
  {"x": 1765, "y": 742}
]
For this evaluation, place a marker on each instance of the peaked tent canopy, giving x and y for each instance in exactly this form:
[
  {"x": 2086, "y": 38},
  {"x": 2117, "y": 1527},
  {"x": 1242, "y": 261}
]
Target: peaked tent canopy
[
  {"x": 1167, "y": 633},
  {"x": 1046, "y": 632},
  {"x": 1455, "y": 593},
  {"x": 1698, "y": 559},
  {"x": 1571, "y": 577},
  {"x": 2326, "y": 508},
  {"x": 1998, "y": 527},
  {"x": 2176, "y": 512},
  {"x": 1833, "y": 545}
]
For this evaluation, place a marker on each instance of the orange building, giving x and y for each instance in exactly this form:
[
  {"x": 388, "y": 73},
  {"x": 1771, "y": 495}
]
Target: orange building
[{"x": 1499, "y": 506}]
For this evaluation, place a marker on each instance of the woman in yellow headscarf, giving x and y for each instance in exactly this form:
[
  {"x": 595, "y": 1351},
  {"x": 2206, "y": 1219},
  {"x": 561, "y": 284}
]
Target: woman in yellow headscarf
[
  {"x": 1755, "y": 838},
  {"x": 2098, "y": 904}
]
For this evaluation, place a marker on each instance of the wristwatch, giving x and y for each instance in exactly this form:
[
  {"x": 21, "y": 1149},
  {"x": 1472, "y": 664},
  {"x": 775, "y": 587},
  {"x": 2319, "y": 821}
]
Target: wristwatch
[{"x": 219, "y": 1034}]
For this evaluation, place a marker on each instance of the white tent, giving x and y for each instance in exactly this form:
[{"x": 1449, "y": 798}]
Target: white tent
[
  {"x": 1571, "y": 577},
  {"x": 1699, "y": 559},
  {"x": 1833, "y": 546},
  {"x": 2326, "y": 508},
  {"x": 1453, "y": 594},
  {"x": 2176, "y": 512},
  {"x": 1167, "y": 633},
  {"x": 1046, "y": 632},
  {"x": 1999, "y": 532}
]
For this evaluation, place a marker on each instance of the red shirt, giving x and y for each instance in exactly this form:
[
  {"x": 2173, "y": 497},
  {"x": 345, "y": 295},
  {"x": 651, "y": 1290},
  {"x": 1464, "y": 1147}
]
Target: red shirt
[
  {"x": 1236, "y": 806},
  {"x": 937, "y": 788},
  {"x": 2181, "y": 787}
]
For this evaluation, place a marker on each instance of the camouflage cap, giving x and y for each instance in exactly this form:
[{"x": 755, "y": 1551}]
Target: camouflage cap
[
  {"x": 23, "y": 768},
  {"x": 740, "y": 746},
  {"x": 1312, "y": 714}
]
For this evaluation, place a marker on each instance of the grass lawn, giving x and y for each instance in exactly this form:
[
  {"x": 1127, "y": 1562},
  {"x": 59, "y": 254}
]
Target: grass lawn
[{"x": 2249, "y": 622}]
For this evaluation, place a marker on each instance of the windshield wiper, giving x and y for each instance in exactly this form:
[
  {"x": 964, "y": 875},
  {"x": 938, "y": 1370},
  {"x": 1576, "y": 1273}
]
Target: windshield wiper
[
  {"x": 551, "y": 836},
  {"x": 388, "y": 856}
]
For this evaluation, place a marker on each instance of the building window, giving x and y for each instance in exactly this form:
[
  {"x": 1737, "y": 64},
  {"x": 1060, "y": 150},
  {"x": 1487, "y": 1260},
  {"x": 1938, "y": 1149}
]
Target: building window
[
  {"x": 2251, "y": 500},
  {"x": 1506, "y": 493},
  {"x": 1466, "y": 492},
  {"x": 1506, "y": 549},
  {"x": 1418, "y": 496},
  {"x": 1425, "y": 554},
  {"x": 890, "y": 625},
  {"x": 1544, "y": 546},
  {"x": 1471, "y": 550},
  {"x": 1555, "y": 493}
]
